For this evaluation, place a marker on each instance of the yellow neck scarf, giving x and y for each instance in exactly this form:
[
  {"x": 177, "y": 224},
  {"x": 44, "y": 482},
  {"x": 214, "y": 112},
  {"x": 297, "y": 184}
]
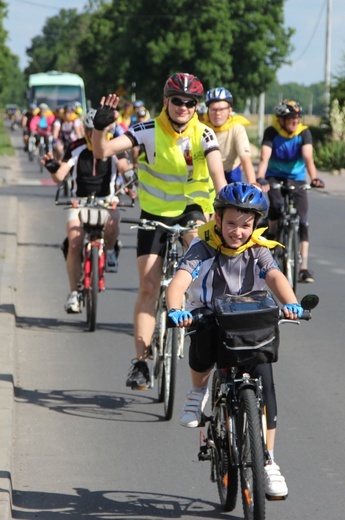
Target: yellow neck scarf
[
  {"x": 165, "y": 123},
  {"x": 89, "y": 143},
  {"x": 208, "y": 233},
  {"x": 233, "y": 120},
  {"x": 284, "y": 133}
]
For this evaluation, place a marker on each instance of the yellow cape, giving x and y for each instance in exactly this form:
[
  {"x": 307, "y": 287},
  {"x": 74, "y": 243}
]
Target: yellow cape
[
  {"x": 283, "y": 133},
  {"x": 235, "y": 119},
  {"x": 208, "y": 233}
]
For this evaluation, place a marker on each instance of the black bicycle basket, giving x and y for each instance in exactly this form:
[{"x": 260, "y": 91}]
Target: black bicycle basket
[{"x": 248, "y": 331}]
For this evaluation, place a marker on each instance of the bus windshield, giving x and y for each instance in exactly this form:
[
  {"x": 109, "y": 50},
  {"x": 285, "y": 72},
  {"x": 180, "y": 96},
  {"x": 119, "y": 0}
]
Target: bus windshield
[{"x": 55, "y": 96}]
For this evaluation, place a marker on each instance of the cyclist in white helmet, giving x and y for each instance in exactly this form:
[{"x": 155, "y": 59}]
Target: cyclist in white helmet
[{"x": 231, "y": 134}]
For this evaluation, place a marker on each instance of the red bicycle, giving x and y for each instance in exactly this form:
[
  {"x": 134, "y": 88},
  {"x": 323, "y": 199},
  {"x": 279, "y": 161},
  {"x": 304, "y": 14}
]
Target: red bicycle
[{"x": 93, "y": 214}]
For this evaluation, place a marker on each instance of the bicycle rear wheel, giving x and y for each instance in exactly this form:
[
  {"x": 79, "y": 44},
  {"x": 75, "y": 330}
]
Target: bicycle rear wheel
[
  {"x": 225, "y": 469},
  {"x": 291, "y": 257},
  {"x": 92, "y": 291},
  {"x": 251, "y": 455}
]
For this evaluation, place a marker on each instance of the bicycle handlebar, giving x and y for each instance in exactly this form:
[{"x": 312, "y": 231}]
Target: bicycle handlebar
[
  {"x": 204, "y": 319},
  {"x": 289, "y": 187},
  {"x": 146, "y": 224}
]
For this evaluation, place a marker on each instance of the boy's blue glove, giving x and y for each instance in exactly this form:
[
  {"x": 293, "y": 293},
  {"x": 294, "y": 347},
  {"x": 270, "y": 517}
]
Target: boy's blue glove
[
  {"x": 178, "y": 315},
  {"x": 294, "y": 307}
]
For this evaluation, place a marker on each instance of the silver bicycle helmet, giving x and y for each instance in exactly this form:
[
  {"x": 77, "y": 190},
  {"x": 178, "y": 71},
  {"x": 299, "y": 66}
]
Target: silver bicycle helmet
[{"x": 88, "y": 121}]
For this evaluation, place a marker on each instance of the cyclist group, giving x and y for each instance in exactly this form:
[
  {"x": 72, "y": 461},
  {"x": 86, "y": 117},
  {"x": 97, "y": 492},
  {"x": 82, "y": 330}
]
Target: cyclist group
[{"x": 187, "y": 170}]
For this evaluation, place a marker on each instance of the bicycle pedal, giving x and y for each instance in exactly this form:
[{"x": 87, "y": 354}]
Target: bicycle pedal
[
  {"x": 275, "y": 499},
  {"x": 204, "y": 453}
]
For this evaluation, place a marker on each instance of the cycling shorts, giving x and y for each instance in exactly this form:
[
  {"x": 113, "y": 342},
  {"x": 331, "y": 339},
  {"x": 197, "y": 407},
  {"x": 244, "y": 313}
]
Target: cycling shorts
[
  {"x": 202, "y": 358},
  {"x": 153, "y": 242},
  {"x": 73, "y": 214}
]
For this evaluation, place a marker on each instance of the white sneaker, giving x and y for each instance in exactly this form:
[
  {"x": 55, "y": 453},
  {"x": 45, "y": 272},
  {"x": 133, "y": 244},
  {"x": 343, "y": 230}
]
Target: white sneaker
[
  {"x": 194, "y": 405},
  {"x": 72, "y": 305},
  {"x": 112, "y": 263},
  {"x": 275, "y": 485}
]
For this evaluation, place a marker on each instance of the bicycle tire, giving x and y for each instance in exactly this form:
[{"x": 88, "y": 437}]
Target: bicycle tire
[
  {"x": 157, "y": 346},
  {"x": 92, "y": 292},
  {"x": 251, "y": 456},
  {"x": 225, "y": 469},
  {"x": 279, "y": 251},
  {"x": 291, "y": 266},
  {"x": 169, "y": 370}
]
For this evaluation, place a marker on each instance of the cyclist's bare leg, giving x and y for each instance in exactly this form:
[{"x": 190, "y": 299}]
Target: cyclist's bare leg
[
  {"x": 75, "y": 234},
  {"x": 150, "y": 271},
  {"x": 111, "y": 231},
  {"x": 200, "y": 379},
  {"x": 304, "y": 250}
]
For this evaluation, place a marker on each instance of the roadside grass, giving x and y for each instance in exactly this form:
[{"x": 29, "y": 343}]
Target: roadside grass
[{"x": 6, "y": 147}]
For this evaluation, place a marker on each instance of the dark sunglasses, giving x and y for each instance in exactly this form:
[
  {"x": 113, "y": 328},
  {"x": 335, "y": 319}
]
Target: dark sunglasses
[{"x": 189, "y": 103}]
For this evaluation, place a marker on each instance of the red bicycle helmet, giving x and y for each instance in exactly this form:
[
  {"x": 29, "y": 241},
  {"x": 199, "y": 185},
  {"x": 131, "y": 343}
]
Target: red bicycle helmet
[{"x": 183, "y": 84}]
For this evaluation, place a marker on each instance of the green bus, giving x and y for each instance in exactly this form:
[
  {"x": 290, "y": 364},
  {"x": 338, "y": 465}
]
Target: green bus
[{"x": 56, "y": 89}]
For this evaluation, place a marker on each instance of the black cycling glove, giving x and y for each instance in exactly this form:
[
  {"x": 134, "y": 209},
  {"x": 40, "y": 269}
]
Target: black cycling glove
[
  {"x": 52, "y": 165},
  {"x": 104, "y": 117}
]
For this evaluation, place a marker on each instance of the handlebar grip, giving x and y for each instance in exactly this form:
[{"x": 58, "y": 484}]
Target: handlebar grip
[{"x": 305, "y": 316}]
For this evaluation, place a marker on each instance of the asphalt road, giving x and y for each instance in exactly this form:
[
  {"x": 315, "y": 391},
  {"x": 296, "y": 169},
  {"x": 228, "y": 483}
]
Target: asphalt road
[{"x": 85, "y": 446}]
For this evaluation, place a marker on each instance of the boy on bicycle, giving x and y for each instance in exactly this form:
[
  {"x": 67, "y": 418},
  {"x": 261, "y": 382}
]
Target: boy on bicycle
[{"x": 229, "y": 256}]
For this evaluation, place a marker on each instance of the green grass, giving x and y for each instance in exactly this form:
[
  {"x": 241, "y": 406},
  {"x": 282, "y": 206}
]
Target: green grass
[{"x": 5, "y": 143}]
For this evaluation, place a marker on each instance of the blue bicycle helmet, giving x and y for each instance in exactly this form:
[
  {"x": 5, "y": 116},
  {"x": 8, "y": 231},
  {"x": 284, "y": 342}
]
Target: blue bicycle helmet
[
  {"x": 218, "y": 94},
  {"x": 242, "y": 196}
]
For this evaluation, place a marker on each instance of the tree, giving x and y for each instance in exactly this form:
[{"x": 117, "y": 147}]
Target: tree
[
  {"x": 338, "y": 84},
  {"x": 115, "y": 44},
  {"x": 11, "y": 78},
  {"x": 57, "y": 48}
]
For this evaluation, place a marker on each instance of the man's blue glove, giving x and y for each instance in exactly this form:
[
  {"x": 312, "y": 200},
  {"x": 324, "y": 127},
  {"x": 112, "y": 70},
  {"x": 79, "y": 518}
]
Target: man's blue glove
[
  {"x": 178, "y": 315},
  {"x": 294, "y": 307}
]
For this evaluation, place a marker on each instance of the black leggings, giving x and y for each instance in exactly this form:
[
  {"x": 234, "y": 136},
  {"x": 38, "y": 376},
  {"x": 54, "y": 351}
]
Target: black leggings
[{"x": 202, "y": 358}]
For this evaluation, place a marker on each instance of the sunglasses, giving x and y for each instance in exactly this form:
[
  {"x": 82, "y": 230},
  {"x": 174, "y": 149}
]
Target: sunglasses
[{"x": 178, "y": 102}]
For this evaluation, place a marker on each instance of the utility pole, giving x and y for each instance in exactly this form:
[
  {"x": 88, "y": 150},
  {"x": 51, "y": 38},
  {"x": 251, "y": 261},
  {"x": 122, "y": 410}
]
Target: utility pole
[{"x": 327, "y": 95}]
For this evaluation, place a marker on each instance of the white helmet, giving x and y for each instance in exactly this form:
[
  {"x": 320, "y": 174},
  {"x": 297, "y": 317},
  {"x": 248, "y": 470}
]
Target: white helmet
[{"x": 88, "y": 121}]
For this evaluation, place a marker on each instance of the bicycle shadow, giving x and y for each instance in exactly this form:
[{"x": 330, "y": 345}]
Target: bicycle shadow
[
  {"x": 91, "y": 404},
  {"x": 98, "y": 505},
  {"x": 57, "y": 325}
]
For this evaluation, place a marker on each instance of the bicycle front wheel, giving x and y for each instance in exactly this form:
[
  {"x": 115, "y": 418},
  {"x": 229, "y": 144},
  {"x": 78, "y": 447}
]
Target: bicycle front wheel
[
  {"x": 92, "y": 292},
  {"x": 251, "y": 455},
  {"x": 291, "y": 257},
  {"x": 169, "y": 366},
  {"x": 225, "y": 469}
]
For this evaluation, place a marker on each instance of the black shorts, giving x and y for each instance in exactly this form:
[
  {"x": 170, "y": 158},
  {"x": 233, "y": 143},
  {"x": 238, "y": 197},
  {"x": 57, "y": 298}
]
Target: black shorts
[
  {"x": 301, "y": 203},
  {"x": 153, "y": 242},
  {"x": 202, "y": 357}
]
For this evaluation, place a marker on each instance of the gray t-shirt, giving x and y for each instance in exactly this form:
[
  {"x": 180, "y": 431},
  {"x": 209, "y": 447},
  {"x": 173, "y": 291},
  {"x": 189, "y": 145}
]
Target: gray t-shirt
[{"x": 215, "y": 274}]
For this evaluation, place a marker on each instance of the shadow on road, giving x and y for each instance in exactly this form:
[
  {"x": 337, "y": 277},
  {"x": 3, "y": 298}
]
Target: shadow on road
[{"x": 98, "y": 505}]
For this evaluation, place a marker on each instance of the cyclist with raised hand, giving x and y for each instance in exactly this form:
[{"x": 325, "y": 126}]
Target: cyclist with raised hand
[
  {"x": 89, "y": 176},
  {"x": 287, "y": 153},
  {"x": 231, "y": 135},
  {"x": 178, "y": 167},
  {"x": 230, "y": 256}
]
